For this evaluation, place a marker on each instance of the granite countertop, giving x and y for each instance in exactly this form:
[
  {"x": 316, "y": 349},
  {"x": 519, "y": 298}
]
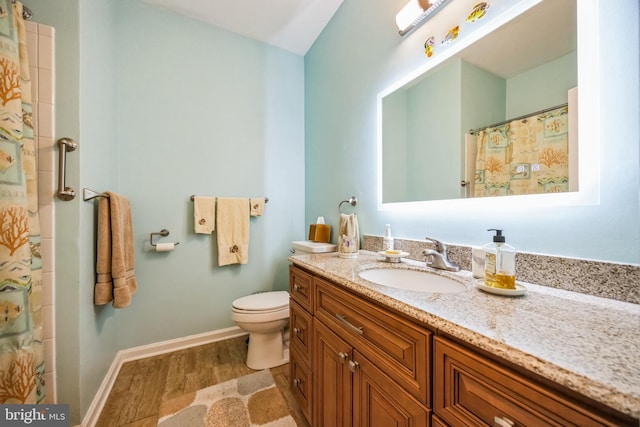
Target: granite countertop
[{"x": 585, "y": 343}]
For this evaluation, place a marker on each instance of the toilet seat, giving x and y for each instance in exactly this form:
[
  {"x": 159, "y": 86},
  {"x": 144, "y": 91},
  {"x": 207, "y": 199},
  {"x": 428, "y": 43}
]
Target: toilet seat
[
  {"x": 265, "y": 302},
  {"x": 260, "y": 308}
]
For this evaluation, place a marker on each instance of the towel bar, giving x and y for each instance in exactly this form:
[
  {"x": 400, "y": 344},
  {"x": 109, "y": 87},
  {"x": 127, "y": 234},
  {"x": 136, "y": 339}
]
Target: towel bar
[
  {"x": 88, "y": 194},
  {"x": 193, "y": 196}
]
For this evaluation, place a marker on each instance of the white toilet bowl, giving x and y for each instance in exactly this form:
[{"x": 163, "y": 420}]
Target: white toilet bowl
[{"x": 265, "y": 316}]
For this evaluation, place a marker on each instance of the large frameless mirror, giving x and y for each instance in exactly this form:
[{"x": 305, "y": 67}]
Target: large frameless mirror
[{"x": 497, "y": 118}]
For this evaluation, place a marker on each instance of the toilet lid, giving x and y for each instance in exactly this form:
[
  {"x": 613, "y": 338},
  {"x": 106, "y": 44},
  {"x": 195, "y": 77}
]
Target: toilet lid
[{"x": 263, "y": 301}]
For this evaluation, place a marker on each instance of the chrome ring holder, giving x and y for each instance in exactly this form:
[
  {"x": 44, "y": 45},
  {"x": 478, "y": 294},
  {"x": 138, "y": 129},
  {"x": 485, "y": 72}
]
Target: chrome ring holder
[{"x": 352, "y": 201}]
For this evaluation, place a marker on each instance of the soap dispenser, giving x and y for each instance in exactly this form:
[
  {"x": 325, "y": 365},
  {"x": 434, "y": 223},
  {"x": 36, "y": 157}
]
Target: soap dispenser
[
  {"x": 499, "y": 263},
  {"x": 387, "y": 240}
]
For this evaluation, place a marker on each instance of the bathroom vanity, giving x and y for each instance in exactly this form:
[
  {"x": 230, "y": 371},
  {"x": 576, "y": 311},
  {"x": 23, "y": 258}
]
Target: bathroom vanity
[{"x": 369, "y": 355}]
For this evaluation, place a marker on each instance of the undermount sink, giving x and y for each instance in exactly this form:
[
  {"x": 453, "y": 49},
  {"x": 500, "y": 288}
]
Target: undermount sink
[{"x": 412, "y": 280}]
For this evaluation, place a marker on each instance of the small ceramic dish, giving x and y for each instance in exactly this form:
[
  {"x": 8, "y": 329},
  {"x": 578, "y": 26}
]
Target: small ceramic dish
[
  {"x": 519, "y": 290},
  {"x": 393, "y": 257}
]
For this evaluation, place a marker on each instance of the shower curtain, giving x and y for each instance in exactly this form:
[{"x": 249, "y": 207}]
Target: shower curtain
[
  {"x": 21, "y": 351},
  {"x": 524, "y": 156}
]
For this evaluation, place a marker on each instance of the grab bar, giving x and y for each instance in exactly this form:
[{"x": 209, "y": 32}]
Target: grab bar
[{"x": 65, "y": 145}]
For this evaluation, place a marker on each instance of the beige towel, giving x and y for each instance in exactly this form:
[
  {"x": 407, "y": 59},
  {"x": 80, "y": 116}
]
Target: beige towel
[
  {"x": 204, "y": 214},
  {"x": 233, "y": 231},
  {"x": 116, "y": 279},
  {"x": 348, "y": 227},
  {"x": 103, "y": 291},
  {"x": 257, "y": 206}
]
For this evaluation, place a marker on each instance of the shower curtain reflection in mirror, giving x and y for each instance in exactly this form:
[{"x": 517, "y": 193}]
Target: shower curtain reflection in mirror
[{"x": 529, "y": 155}]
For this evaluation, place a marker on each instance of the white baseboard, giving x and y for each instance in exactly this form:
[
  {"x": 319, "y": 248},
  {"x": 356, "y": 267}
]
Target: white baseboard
[{"x": 91, "y": 417}]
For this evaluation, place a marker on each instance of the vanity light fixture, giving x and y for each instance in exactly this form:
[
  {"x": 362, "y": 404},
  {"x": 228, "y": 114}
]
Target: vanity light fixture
[{"x": 415, "y": 13}]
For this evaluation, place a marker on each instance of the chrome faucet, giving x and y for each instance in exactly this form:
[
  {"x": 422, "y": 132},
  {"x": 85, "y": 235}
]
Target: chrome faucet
[{"x": 438, "y": 258}]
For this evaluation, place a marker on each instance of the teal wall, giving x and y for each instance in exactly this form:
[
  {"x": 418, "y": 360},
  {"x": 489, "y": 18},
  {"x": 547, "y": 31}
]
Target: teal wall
[
  {"x": 202, "y": 111},
  {"x": 432, "y": 137},
  {"x": 542, "y": 87},
  {"x": 484, "y": 98},
  {"x": 395, "y": 151},
  {"x": 98, "y": 156},
  {"x": 350, "y": 64}
]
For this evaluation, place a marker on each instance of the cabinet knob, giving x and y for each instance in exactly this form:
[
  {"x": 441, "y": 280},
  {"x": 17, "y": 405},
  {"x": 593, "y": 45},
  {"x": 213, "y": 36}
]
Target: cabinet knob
[
  {"x": 296, "y": 382},
  {"x": 343, "y": 356},
  {"x": 297, "y": 331},
  {"x": 502, "y": 422},
  {"x": 353, "y": 365},
  {"x": 296, "y": 287}
]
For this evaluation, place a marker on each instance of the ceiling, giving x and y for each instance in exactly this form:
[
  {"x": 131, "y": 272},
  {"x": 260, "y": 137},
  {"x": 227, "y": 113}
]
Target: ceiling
[
  {"x": 545, "y": 32},
  {"x": 292, "y": 25}
]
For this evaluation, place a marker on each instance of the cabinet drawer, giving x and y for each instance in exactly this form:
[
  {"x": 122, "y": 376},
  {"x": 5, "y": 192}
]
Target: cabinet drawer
[
  {"x": 301, "y": 383},
  {"x": 301, "y": 288},
  {"x": 472, "y": 390},
  {"x": 399, "y": 347},
  {"x": 301, "y": 330}
]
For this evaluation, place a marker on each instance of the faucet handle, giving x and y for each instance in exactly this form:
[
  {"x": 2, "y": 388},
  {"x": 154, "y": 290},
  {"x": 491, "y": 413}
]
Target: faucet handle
[{"x": 440, "y": 247}]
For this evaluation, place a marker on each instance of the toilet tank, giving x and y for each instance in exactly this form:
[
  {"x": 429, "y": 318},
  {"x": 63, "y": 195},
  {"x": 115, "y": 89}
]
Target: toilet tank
[{"x": 303, "y": 247}]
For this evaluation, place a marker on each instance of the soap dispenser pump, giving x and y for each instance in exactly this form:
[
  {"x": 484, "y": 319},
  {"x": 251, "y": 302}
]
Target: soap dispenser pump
[
  {"x": 499, "y": 263},
  {"x": 387, "y": 240}
]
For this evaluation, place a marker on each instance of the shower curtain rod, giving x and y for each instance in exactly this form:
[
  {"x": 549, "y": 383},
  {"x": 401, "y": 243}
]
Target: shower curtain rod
[
  {"x": 473, "y": 131},
  {"x": 26, "y": 12}
]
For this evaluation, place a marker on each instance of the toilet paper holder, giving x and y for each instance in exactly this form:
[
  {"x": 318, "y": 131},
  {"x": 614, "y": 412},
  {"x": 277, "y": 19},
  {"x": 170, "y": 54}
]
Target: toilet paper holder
[{"x": 164, "y": 233}]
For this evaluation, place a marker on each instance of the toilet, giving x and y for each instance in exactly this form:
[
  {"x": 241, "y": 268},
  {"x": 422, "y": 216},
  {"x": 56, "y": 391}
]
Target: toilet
[{"x": 265, "y": 315}]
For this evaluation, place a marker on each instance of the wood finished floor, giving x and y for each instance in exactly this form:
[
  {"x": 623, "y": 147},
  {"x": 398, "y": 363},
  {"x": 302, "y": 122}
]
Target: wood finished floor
[{"x": 142, "y": 385}]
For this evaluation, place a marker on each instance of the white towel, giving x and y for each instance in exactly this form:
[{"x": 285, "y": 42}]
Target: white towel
[
  {"x": 204, "y": 214},
  {"x": 233, "y": 231},
  {"x": 257, "y": 206}
]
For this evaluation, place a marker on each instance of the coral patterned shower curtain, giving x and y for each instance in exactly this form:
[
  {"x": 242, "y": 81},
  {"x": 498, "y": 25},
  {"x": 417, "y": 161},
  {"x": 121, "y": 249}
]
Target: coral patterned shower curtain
[
  {"x": 21, "y": 352},
  {"x": 524, "y": 156}
]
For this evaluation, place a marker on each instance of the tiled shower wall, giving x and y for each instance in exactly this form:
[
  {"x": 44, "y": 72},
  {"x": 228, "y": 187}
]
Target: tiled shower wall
[{"x": 40, "y": 43}]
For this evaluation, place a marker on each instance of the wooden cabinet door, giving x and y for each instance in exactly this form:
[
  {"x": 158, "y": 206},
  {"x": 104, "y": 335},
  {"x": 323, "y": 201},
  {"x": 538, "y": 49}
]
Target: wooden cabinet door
[
  {"x": 301, "y": 331},
  {"x": 332, "y": 379},
  {"x": 379, "y": 401},
  {"x": 301, "y": 383},
  {"x": 400, "y": 348},
  {"x": 437, "y": 422}
]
